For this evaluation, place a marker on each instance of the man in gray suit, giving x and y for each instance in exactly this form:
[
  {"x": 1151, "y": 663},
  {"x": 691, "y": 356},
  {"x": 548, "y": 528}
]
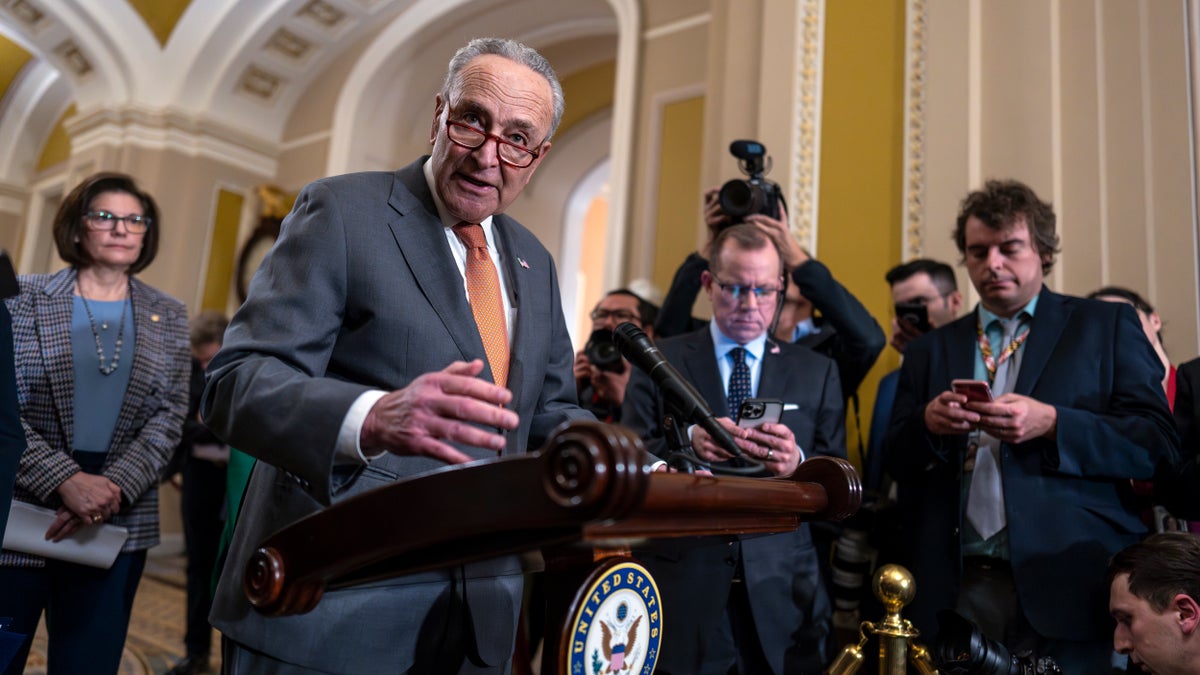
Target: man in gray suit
[{"x": 359, "y": 359}]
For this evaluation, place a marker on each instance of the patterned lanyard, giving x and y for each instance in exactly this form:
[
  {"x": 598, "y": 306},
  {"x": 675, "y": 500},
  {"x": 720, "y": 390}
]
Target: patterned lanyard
[{"x": 985, "y": 348}]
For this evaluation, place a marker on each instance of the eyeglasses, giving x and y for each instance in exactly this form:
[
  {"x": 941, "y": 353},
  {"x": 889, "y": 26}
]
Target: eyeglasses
[
  {"x": 467, "y": 136},
  {"x": 739, "y": 292},
  {"x": 621, "y": 315},
  {"x": 105, "y": 221}
]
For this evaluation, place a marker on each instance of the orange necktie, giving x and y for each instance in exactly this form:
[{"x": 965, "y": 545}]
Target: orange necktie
[{"x": 483, "y": 287}]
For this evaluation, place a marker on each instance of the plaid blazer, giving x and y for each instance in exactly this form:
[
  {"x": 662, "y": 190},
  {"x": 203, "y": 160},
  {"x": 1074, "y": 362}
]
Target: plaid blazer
[{"x": 148, "y": 425}]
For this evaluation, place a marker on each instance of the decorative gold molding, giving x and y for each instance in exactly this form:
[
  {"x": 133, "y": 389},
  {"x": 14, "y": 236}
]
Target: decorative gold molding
[
  {"x": 913, "y": 245},
  {"x": 807, "y": 139}
]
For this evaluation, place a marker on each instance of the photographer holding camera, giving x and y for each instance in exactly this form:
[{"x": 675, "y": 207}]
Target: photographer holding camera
[
  {"x": 601, "y": 373},
  {"x": 845, "y": 331}
]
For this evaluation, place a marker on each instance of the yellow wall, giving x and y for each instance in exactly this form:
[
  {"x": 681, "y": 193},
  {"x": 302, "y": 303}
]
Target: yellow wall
[
  {"x": 590, "y": 91},
  {"x": 58, "y": 144},
  {"x": 222, "y": 257},
  {"x": 862, "y": 122},
  {"x": 12, "y": 59},
  {"x": 677, "y": 210},
  {"x": 160, "y": 15}
]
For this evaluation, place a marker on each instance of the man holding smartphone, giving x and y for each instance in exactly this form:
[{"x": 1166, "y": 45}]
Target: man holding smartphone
[
  {"x": 1020, "y": 501},
  {"x": 926, "y": 295},
  {"x": 754, "y": 603}
]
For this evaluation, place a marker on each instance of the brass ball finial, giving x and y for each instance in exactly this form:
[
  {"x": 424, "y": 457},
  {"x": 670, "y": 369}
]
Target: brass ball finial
[{"x": 894, "y": 586}]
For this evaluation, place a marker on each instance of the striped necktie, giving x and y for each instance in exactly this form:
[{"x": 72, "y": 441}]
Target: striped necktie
[{"x": 483, "y": 289}]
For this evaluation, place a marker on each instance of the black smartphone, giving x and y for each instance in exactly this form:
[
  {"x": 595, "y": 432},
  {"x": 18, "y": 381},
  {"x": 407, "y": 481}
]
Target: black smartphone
[
  {"x": 755, "y": 412},
  {"x": 915, "y": 314}
]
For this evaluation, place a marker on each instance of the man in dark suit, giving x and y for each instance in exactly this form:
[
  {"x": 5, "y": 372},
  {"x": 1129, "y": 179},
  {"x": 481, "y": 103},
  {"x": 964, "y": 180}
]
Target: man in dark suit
[
  {"x": 359, "y": 359},
  {"x": 1022, "y": 500},
  {"x": 1178, "y": 487},
  {"x": 755, "y": 603},
  {"x": 12, "y": 434}
]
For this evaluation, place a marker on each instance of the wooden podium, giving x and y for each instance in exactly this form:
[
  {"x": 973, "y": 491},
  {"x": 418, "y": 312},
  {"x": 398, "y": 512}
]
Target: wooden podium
[{"x": 585, "y": 496}]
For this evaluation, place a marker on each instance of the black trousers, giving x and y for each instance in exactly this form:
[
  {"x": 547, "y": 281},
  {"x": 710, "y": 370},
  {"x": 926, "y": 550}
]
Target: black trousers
[{"x": 203, "y": 504}]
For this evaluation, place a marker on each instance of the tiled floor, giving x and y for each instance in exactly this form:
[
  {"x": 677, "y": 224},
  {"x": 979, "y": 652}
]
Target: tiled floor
[{"x": 155, "y": 639}]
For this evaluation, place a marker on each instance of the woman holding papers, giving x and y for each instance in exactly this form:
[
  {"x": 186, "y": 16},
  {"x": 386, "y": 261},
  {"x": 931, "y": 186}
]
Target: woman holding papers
[{"x": 102, "y": 378}]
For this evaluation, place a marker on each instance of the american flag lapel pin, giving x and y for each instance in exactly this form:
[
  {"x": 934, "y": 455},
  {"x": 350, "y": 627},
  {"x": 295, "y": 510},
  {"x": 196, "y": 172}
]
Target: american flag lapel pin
[{"x": 522, "y": 263}]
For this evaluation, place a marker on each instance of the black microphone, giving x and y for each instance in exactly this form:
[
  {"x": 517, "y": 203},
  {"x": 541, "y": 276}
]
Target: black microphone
[{"x": 636, "y": 346}]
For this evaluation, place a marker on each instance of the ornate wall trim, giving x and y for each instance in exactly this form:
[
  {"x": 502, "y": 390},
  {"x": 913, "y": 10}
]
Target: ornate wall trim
[
  {"x": 802, "y": 193},
  {"x": 913, "y": 209}
]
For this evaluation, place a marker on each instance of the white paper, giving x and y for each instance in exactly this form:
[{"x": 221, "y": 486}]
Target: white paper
[{"x": 93, "y": 545}]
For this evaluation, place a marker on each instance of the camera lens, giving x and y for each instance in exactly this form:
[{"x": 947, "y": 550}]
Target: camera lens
[
  {"x": 602, "y": 351},
  {"x": 738, "y": 199}
]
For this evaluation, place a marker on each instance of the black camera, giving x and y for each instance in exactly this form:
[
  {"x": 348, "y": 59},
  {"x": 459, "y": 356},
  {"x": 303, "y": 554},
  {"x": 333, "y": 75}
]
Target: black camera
[
  {"x": 602, "y": 351},
  {"x": 962, "y": 649},
  {"x": 740, "y": 198}
]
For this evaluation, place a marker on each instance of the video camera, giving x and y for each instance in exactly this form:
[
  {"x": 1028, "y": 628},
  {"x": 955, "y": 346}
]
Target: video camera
[{"x": 740, "y": 198}]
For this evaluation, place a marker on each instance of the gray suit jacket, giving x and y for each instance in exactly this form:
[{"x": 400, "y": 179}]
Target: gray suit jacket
[
  {"x": 361, "y": 292},
  {"x": 790, "y": 606}
]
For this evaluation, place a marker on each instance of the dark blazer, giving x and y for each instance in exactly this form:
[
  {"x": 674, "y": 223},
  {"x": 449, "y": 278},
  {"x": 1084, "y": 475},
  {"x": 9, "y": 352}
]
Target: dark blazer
[
  {"x": 1068, "y": 500},
  {"x": 1178, "y": 487},
  {"x": 12, "y": 437},
  {"x": 361, "y": 292},
  {"x": 790, "y": 606},
  {"x": 148, "y": 424}
]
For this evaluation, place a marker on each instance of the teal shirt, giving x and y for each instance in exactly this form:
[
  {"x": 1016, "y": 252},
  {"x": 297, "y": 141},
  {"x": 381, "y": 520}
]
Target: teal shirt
[
  {"x": 98, "y": 397},
  {"x": 972, "y": 543}
]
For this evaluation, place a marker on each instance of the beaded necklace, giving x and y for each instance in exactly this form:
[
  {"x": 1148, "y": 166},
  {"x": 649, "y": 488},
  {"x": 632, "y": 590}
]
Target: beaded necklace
[{"x": 116, "y": 358}]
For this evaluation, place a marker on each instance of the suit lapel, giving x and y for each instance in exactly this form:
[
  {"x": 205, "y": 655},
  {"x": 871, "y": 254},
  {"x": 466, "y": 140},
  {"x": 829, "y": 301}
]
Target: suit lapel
[
  {"x": 1048, "y": 323},
  {"x": 147, "y": 341},
  {"x": 774, "y": 374},
  {"x": 960, "y": 341},
  {"x": 55, "y": 311},
  {"x": 422, "y": 241},
  {"x": 700, "y": 367}
]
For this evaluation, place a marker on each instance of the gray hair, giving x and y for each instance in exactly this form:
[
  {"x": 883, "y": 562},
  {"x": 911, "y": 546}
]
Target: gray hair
[{"x": 513, "y": 51}]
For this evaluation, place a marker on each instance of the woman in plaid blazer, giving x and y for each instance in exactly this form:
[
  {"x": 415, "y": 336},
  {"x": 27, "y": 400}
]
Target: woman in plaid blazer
[{"x": 102, "y": 380}]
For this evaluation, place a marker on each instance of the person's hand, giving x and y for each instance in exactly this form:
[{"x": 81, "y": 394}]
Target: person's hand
[
  {"x": 1015, "y": 419},
  {"x": 92, "y": 498},
  {"x": 794, "y": 255},
  {"x": 610, "y": 386},
  {"x": 903, "y": 333},
  {"x": 714, "y": 218},
  {"x": 582, "y": 370},
  {"x": 946, "y": 415},
  {"x": 772, "y": 444},
  {"x": 438, "y": 409},
  {"x": 65, "y": 524}
]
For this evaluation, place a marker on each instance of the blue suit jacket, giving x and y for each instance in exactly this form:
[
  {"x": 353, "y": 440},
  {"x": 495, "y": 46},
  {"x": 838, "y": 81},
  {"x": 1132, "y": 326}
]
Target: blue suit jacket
[
  {"x": 790, "y": 606},
  {"x": 361, "y": 292},
  {"x": 1068, "y": 500}
]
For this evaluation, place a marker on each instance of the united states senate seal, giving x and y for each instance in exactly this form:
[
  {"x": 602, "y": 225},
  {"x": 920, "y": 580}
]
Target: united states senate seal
[{"x": 616, "y": 622}]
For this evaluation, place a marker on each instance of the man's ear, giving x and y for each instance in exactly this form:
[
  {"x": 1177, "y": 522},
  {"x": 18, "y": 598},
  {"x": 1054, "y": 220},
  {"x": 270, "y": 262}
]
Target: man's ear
[
  {"x": 1188, "y": 611},
  {"x": 438, "y": 106},
  {"x": 956, "y": 300},
  {"x": 706, "y": 278}
]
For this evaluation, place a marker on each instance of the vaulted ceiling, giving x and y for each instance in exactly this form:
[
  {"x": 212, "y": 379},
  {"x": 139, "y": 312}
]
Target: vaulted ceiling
[{"x": 251, "y": 67}]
